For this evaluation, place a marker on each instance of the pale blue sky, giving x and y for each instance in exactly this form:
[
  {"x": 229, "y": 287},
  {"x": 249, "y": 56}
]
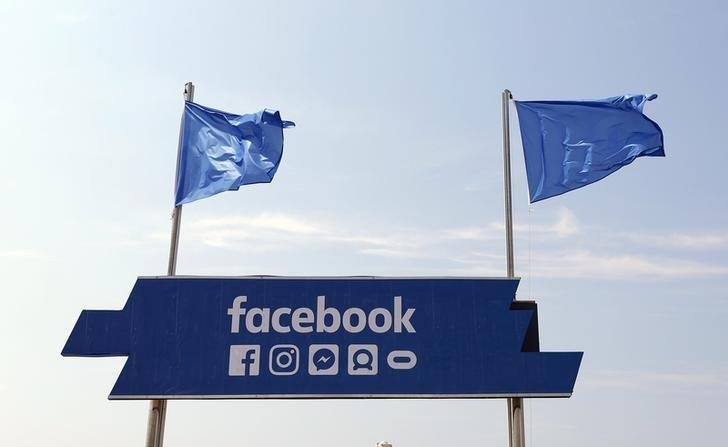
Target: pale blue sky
[{"x": 394, "y": 168}]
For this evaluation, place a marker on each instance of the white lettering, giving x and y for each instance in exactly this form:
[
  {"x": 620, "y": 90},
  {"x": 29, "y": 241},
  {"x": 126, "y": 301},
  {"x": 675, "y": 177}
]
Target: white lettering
[
  {"x": 264, "y": 325},
  {"x": 276, "y": 320},
  {"x": 301, "y": 316},
  {"x": 386, "y": 317},
  {"x": 325, "y": 319},
  {"x": 402, "y": 320},
  {"x": 361, "y": 320},
  {"x": 322, "y": 312},
  {"x": 235, "y": 312}
]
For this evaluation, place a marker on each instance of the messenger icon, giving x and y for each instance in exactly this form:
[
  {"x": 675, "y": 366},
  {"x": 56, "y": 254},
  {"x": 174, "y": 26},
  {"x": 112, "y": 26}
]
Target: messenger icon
[{"x": 323, "y": 360}]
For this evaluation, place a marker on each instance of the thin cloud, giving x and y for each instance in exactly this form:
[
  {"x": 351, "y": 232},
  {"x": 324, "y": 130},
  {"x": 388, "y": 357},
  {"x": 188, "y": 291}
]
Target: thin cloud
[
  {"x": 22, "y": 254},
  {"x": 265, "y": 221},
  {"x": 489, "y": 233},
  {"x": 586, "y": 264},
  {"x": 566, "y": 225},
  {"x": 690, "y": 241},
  {"x": 629, "y": 380},
  {"x": 393, "y": 253},
  {"x": 458, "y": 251},
  {"x": 70, "y": 18},
  {"x": 287, "y": 229}
]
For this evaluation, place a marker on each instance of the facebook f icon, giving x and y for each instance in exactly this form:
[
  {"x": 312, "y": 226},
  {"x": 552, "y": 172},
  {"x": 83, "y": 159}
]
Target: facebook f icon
[{"x": 244, "y": 360}]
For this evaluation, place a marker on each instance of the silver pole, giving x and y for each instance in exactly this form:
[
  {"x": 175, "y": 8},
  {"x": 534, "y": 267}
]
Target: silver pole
[
  {"x": 158, "y": 407},
  {"x": 507, "y": 182},
  {"x": 516, "y": 432}
]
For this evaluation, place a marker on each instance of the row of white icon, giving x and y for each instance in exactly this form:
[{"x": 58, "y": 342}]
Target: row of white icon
[{"x": 323, "y": 360}]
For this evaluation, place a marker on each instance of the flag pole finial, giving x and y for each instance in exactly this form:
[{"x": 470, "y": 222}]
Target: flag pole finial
[{"x": 189, "y": 91}]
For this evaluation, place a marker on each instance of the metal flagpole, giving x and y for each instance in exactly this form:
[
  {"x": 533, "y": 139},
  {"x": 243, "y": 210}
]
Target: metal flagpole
[
  {"x": 516, "y": 432},
  {"x": 158, "y": 407}
]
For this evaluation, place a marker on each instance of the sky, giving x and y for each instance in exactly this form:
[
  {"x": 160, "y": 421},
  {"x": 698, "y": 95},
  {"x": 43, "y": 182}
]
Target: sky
[{"x": 395, "y": 169}]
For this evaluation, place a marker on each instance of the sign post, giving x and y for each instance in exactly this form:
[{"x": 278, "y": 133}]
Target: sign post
[
  {"x": 516, "y": 431},
  {"x": 158, "y": 407}
]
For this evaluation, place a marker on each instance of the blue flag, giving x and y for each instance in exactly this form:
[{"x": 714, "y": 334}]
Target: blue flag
[
  {"x": 570, "y": 144},
  {"x": 220, "y": 151}
]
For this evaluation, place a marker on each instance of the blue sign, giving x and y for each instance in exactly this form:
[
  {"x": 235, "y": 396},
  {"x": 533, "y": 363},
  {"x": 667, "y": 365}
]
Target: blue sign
[{"x": 368, "y": 337}]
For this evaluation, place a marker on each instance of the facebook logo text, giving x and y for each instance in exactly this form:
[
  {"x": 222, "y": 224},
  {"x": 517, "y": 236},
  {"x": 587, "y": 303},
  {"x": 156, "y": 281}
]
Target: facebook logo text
[
  {"x": 304, "y": 320},
  {"x": 323, "y": 359}
]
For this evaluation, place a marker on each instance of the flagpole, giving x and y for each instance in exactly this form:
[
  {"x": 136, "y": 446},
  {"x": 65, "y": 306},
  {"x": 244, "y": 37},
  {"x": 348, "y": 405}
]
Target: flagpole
[
  {"x": 516, "y": 432},
  {"x": 158, "y": 407}
]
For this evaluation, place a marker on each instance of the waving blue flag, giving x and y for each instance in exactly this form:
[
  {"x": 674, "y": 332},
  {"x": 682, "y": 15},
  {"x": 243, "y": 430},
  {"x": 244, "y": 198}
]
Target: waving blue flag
[
  {"x": 220, "y": 151},
  {"x": 570, "y": 144}
]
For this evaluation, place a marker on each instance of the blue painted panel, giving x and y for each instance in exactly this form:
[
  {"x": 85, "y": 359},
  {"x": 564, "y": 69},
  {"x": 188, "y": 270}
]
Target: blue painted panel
[{"x": 324, "y": 338}]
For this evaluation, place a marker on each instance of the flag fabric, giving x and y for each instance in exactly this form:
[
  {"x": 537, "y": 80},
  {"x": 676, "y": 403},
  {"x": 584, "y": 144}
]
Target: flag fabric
[
  {"x": 570, "y": 144},
  {"x": 220, "y": 151}
]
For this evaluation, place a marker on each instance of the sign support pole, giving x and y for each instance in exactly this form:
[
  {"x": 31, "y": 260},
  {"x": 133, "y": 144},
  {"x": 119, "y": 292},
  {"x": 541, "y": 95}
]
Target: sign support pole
[
  {"x": 516, "y": 432},
  {"x": 158, "y": 407}
]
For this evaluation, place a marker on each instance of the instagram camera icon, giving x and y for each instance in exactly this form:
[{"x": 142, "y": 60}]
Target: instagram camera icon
[{"x": 283, "y": 360}]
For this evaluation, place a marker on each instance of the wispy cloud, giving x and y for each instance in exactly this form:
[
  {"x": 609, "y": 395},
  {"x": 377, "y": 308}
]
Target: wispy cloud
[
  {"x": 456, "y": 251},
  {"x": 566, "y": 224},
  {"x": 691, "y": 241},
  {"x": 226, "y": 231},
  {"x": 675, "y": 380},
  {"x": 22, "y": 254},
  {"x": 70, "y": 18},
  {"x": 265, "y": 221},
  {"x": 284, "y": 229},
  {"x": 587, "y": 264}
]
